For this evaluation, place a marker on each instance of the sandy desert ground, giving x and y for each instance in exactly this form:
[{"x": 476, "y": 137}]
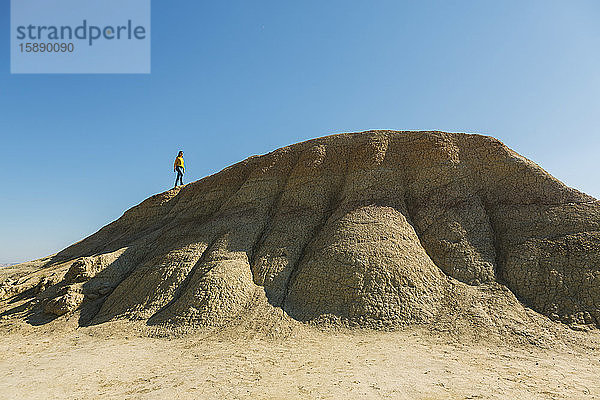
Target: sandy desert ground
[{"x": 91, "y": 363}]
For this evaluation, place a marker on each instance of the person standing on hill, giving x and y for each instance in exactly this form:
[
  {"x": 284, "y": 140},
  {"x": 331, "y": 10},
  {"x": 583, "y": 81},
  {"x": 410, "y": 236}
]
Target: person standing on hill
[{"x": 179, "y": 167}]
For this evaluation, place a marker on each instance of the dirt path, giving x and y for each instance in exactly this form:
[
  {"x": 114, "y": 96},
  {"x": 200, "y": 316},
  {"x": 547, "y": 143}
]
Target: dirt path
[{"x": 315, "y": 365}]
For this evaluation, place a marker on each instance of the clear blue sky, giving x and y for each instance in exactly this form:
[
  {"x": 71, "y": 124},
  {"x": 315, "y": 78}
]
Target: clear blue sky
[{"x": 235, "y": 78}]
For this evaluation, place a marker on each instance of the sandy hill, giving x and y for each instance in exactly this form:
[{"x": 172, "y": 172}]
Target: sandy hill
[{"x": 376, "y": 229}]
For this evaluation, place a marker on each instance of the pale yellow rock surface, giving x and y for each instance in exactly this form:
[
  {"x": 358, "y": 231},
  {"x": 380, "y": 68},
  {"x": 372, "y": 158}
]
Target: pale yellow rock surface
[{"x": 378, "y": 229}]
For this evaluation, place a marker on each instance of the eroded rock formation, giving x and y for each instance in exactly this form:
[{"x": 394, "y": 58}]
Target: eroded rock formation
[{"x": 375, "y": 228}]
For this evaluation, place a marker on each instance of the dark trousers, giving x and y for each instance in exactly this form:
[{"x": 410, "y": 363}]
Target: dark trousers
[{"x": 179, "y": 175}]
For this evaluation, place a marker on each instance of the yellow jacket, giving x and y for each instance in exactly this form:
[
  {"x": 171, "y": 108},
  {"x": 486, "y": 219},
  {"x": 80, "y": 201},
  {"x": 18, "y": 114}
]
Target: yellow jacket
[{"x": 179, "y": 163}]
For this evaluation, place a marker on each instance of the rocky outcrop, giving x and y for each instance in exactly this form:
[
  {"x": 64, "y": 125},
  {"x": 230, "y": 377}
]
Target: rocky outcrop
[
  {"x": 63, "y": 304},
  {"x": 375, "y": 228}
]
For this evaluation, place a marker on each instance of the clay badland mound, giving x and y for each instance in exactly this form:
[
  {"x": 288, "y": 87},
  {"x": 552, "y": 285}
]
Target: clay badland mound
[{"x": 377, "y": 228}]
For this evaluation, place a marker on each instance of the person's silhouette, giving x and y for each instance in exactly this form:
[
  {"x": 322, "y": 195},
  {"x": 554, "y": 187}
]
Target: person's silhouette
[{"x": 179, "y": 167}]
